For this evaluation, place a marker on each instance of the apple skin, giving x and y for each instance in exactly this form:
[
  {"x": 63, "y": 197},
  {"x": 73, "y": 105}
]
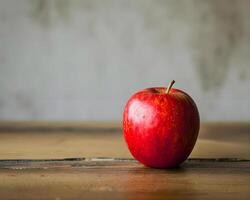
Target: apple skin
[{"x": 161, "y": 128}]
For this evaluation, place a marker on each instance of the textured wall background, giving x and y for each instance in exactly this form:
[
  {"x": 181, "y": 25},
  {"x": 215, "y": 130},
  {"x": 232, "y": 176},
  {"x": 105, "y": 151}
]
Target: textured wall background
[{"x": 81, "y": 60}]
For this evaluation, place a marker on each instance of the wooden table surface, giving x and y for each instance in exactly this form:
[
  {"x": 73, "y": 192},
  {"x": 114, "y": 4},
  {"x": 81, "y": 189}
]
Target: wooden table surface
[
  {"x": 123, "y": 179},
  {"x": 32, "y": 164}
]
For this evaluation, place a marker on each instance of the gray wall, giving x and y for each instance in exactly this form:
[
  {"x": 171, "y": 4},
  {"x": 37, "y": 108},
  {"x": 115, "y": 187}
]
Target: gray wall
[{"x": 81, "y": 60}]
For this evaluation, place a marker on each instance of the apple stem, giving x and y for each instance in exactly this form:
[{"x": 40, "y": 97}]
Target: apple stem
[{"x": 170, "y": 86}]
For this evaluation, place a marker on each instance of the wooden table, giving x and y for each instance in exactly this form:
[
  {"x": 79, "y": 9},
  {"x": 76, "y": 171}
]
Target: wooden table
[
  {"x": 32, "y": 164},
  {"x": 123, "y": 179}
]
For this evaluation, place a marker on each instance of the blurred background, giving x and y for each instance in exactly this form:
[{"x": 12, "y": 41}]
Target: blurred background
[
  {"x": 67, "y": 68},
  {"x": 82, "y": 59}
]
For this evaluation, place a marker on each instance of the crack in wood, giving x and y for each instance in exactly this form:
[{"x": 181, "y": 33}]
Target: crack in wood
[
  {"x": 106, "y": 159},
  {"x": 58, "y": 129}
]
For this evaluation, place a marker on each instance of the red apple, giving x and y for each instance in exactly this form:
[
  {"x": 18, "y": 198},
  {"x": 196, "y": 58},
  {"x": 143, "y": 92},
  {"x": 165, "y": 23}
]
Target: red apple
[{"x": 160, "y": 126}]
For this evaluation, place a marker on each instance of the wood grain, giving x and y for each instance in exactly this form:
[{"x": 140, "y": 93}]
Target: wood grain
[
  {"x": 105, "y": 178},
  {"x": 47, "y": 140},
  {"x": 32, "y": 164}
]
